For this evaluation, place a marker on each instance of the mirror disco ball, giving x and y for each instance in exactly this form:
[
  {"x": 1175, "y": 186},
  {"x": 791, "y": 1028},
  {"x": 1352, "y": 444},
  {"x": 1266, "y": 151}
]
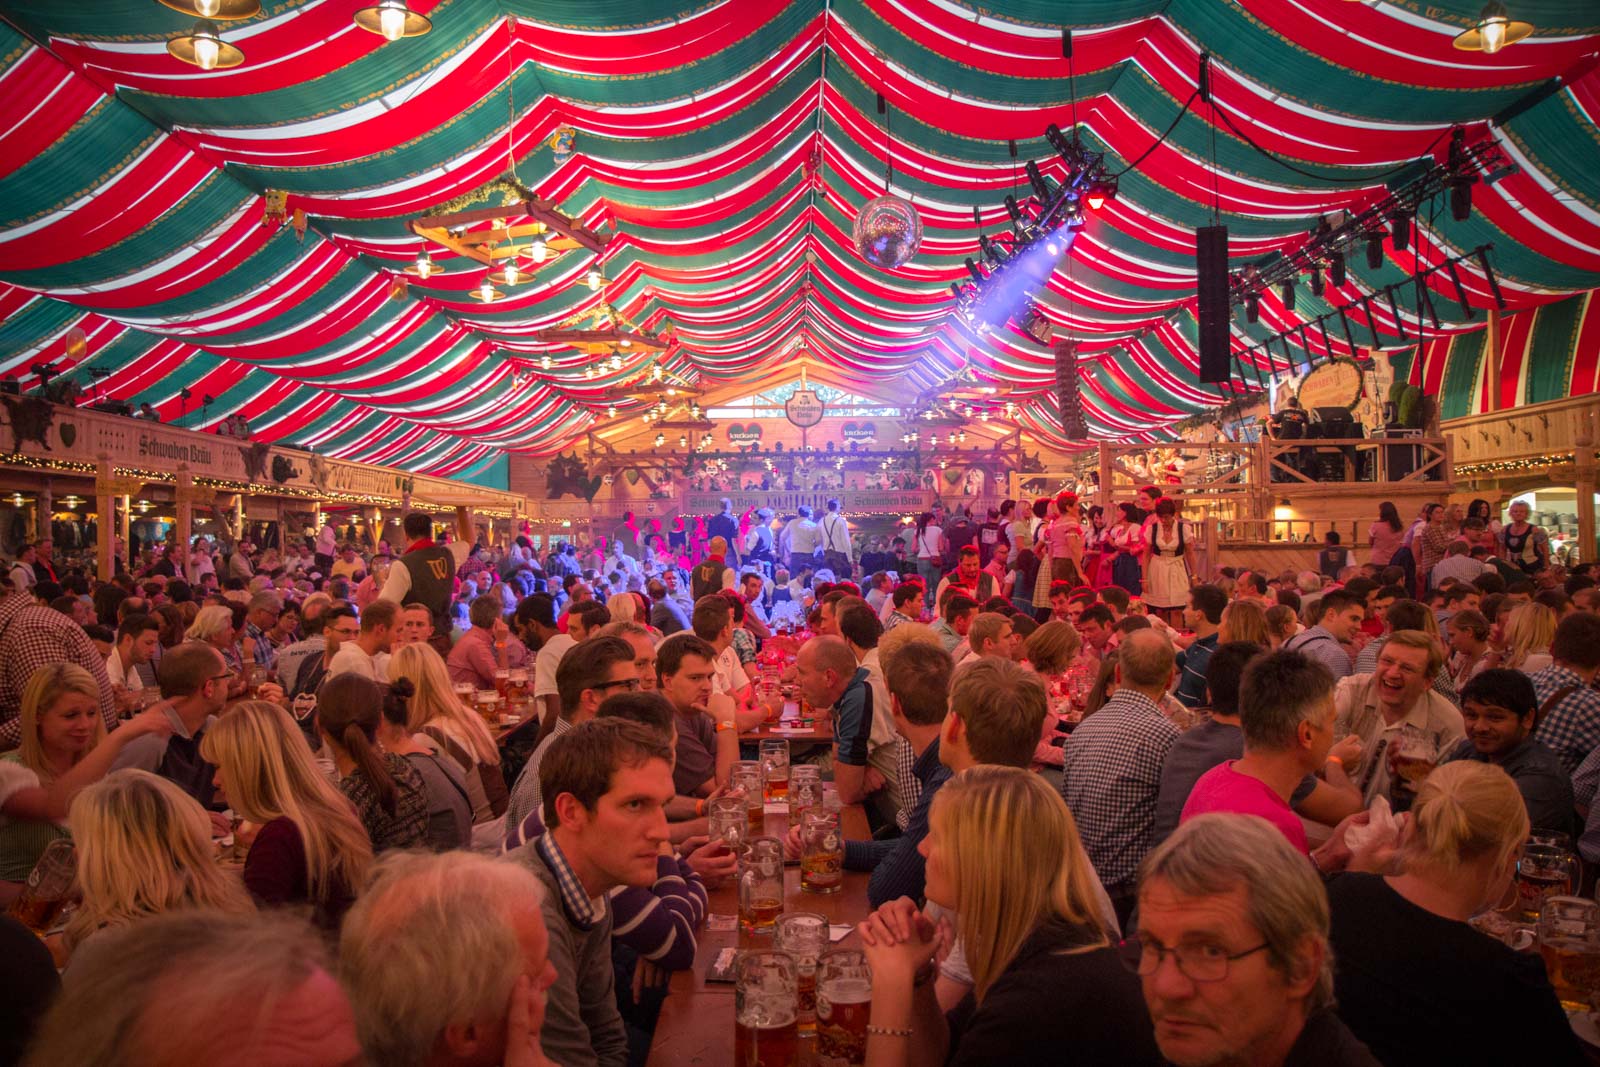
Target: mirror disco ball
[{"x": 888, "y": 232}]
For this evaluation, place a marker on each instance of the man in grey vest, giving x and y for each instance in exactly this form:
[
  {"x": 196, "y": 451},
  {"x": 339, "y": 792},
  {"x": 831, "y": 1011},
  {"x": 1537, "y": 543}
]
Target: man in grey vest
[{"x": 426, "y": 573}]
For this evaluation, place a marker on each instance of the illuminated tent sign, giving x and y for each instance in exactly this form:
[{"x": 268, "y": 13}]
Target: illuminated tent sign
[
  {"x": 864, "y": 431},
  {"x": 744, "y": 435},
  {"x": 804, "y": 408}
]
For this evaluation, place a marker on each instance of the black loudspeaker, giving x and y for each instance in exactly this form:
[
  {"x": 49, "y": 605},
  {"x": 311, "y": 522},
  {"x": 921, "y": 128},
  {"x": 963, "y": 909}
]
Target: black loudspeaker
[
  {"x": 1067, "y": 396},
  {"x": 1216, "y": 346}
]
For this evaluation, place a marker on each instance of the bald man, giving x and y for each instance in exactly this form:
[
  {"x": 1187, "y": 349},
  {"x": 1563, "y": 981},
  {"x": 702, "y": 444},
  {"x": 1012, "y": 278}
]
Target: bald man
[{"x": 863, "y": 765}]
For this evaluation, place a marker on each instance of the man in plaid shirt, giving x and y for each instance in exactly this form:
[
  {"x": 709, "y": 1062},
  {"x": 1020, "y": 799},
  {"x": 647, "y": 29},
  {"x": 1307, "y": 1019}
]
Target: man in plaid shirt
[
  {"x": 34, "y": 636},
  {"x": 858, "y": 625},
  {"x": 1111, "y": 766},
  {"x": 1569, "y": 708}
]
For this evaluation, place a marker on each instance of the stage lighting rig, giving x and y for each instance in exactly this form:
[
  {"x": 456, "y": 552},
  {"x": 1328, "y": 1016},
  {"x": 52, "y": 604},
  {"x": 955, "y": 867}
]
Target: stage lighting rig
[{"x": 1016, "y": 263}]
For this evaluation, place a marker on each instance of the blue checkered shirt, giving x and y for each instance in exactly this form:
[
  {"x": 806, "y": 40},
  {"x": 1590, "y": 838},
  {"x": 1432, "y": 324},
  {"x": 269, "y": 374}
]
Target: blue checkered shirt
[
  {"x": 1571, "y": 729},
  {"x": 1110, "y": 775},
  {"x": 583, "y": 910}
]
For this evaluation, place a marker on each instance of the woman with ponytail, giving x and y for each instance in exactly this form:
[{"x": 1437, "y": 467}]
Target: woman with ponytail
[
  {"x": 1413, "y": 980},
  {"x": 449, "y": 813},
  {"x": 388, "y": 793}
]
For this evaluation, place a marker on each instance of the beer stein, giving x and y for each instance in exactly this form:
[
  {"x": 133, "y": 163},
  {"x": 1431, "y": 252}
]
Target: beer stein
[
  {"x": 844, "y": 1004},
  {"x": 774, "y": 760},
  {"x": 760, "y": 885},
  {"x": 821, "y": 851},
  {"x": 765, "y": 1012},
  {"x": 804, "y": 935}
]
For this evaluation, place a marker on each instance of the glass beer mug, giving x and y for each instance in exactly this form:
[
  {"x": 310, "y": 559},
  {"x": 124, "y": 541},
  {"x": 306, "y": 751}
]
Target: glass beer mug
[
  {"x": 821, "y": 851},
  {"x": 844, "y": 1003},
  {"x": 805, "y": 791},
  {"x": 774, "y": 762},
  {"x": 765, "y": 1010},
  {"x": 760, "y": 885},
  {"x": 804, "y": 935},
  {"x": 726, "y": 822},
  {"x": 746, "y": 781},
  {"x": 1543, "y": 871}
]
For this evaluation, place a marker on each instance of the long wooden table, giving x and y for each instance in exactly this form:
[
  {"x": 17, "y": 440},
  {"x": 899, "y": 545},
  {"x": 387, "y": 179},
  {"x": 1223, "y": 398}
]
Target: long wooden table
[
  {"x": 821, "y": 728},
  {"x": 696, "y": 1022}
]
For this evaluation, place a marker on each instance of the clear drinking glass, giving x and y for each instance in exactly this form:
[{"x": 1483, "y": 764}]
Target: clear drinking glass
[
  {"x": 765, "y": 1010},
  {"x": 774, "y": 760},
  {"x": 804, "y": 935},
  {"x": 1543, "y": 871},
  {"x": 844, "y": 1003},
  {"x": 1569, "y": 941},
  {"x": 1414, "y": 757},
  {"x": 821, "y": 851},
  {"x": 805, "y": 791},
  {"x": 726, "y": 821},
  {"x": 760, "y": 885},
  {"x": 49, "y": 887},
  {"x": 746, "y": 782}
]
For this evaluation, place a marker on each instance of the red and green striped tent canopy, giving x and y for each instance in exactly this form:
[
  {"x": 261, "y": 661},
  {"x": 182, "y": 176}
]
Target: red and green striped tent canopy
[{"x": 725, "y": 149}]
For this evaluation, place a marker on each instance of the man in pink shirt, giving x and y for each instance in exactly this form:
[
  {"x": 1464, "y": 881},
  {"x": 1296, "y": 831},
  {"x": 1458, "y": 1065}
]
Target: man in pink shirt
[
  {"x": 476, "y": 656},
  {"x": 1286, "y": 710}
]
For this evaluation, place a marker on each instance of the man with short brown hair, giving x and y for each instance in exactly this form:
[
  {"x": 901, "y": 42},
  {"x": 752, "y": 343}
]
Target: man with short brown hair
[{"x": 606, "y": 785}]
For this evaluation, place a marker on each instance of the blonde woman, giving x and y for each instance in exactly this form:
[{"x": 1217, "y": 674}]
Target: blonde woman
[
  {"x": 64, "y": 747},
  {"x": 1405, "y": 950},
  {"x": 1527, "y": 639},
  {"x": 1003, "y": 855},
  {"x": 309, "y": 847},
  {"x": 1244, "y": 620},
  {"x": 453, "y": 729},
  {"x": 624, "y": 607},
  {"x": 144, "y": 848}
]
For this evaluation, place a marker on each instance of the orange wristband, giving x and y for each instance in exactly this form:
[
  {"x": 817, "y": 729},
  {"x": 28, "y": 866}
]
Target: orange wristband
[
  {"x": 699, "y": 807},
  {"x": 1336, "y": 759}
]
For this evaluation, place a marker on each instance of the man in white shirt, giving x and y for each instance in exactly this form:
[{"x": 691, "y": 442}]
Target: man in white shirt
[
  {"x": 368, "y": 654},
  {"x": 1398, "y": 716},
  {"x": 836, "y": 540},
  {"x": 712, "y": 622},
  {"x": 22, "y": 577},
  {"x": 138, "y": 636},
  {"x": 536, "y": 617},
  {"x": 878, "y": 594},
  {"x": 804, "y": 537}
]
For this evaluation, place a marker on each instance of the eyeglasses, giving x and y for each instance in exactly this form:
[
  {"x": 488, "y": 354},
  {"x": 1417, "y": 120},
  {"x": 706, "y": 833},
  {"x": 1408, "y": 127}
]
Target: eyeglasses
[
  {"x": 1198, "y": 963},
  {"x": 632, "y": 684}
]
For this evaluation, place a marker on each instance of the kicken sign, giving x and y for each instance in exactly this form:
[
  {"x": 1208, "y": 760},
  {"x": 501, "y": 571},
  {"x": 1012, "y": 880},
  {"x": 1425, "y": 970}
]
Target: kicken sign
[
  {"x": 744, "y": 435},
  {"x": 864, "y": 431},
  {"x": 804, "y": 408}
]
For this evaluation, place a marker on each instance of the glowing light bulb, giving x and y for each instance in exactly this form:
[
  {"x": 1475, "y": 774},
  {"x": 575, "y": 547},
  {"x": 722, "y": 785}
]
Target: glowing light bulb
[
  {"x": 538, "y": 250},
  {"x": 1493, "y": 32},
  {"x": 545, "y": 362},
  {"x": 611, "y": 411},
  {"x": 511, "y": 272},
  {"x": 485, "y": 290},
  {"x": 626, "y": 343},
  {"x": 206, "y": 50},
  {"x": 392, "y": 21},
  {"x": 207, "y": 8},
  {"x": 593, "y": 280},
  {"x": 424, "y": 265}
]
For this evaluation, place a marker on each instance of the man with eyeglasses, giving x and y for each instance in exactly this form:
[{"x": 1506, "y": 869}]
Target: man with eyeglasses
[
  {"x": 587, "y": 674},
  {"x": 1232, "y": 951}
]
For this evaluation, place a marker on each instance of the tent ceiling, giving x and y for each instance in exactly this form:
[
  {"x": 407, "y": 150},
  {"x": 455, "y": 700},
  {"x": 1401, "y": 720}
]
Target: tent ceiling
[{"x": 726, "y": 147}]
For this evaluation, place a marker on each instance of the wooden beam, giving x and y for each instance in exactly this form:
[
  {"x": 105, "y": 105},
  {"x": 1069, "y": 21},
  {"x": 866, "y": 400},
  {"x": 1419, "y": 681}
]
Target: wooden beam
[
  {"x": 538, "y": 209},
  {"x": 1492, "y": 353}
]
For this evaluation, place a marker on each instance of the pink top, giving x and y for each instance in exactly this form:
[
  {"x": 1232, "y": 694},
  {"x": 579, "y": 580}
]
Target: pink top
[
  {"x": 1224, "y": 789},
  {"x": 1385, "y": 543},
  {"x": 1065, "y": 535}
]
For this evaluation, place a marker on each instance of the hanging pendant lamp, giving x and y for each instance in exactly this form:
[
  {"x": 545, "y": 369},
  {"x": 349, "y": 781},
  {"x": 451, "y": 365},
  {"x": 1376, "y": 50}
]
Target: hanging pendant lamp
[
  {"x": 203, "y": 47},
  {"x": 1495, "y": 29},
  {"x": 392, "y": 20}
]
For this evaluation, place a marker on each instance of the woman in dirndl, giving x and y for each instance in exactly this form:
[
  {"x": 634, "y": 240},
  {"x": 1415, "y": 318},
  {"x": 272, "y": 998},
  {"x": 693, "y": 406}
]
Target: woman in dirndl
[
  {"x": 1166, "y": 568},
  {"x": 1124, "y": 548}
]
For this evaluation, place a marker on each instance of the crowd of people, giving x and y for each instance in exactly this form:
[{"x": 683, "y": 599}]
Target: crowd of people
[{"x": 1200, "y": 818}]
